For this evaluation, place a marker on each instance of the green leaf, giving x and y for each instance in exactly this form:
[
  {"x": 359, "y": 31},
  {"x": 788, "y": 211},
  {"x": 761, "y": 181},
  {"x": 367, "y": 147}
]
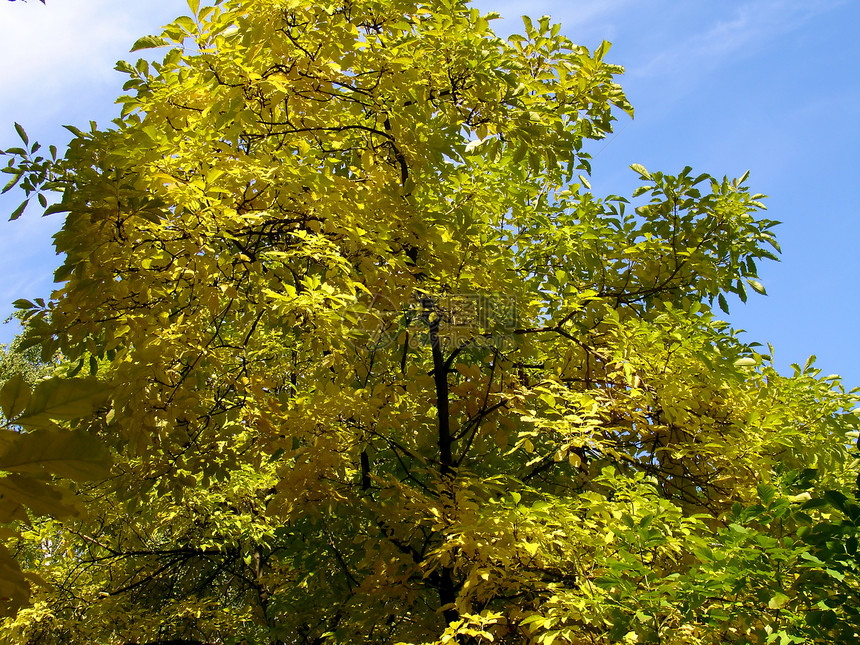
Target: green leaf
[
  {"x": 17, "y": 212},
  {"x": 835, "y": 499},
  {"x": 76, "y": 131},
  {"x": 815, "y": 502},
  {"x": 757, "y": 286},
  {"x": 124, "y": 66},
  {"x": 38, "y": 496},
  {"x": 602, "y": 50},
  {"x": 22, "y": 134},
  {"x": 527, "y": 23},
  {"x": 14, "y": 590},
  {"x": 766, "y": 492},
  {"x": 14, "y": 396},
  {"x": 62, "y": 399},
  {"x": 472, "y": 145},
  {"x": 148, "y": 42},
  {"x": 72, "y": 455},
  {"x": 779, "y": 600},
  {"x": 519, "y": 153},
  {"x": 57, "y": 208},
  {"x": 186, "y": 23},
  {"x": 10, "y": 508},
  {"x": 638, "y": 167},
  {"x": 63, "y": 272},
  {"x": 13, "y": 182}
]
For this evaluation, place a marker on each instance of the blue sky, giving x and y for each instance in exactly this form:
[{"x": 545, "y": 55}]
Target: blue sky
[{"x": 772, "y": 86}]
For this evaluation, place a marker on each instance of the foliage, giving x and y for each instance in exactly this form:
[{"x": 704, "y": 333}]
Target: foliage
[
  {"x": 376, "y": 366},
  {"x": 32, "y": 450},
  {"x": 24, "y": 362}
]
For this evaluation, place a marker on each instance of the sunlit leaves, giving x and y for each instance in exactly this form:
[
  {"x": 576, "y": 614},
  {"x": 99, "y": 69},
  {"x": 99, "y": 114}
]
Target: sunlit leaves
[
  {"x": 54, "y": 400},
  {"x": 14, "y": 396},
  {"x": 374, "y": 369},
  {"x": 28, "y": 459},
  {"x": 148, "y": 42},
  {"x": 58, "y": 452},
  {"x": 14, "y": 590}
]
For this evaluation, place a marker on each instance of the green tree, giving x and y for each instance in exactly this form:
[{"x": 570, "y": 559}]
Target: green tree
[
  {"x": 375, "y": 365},
  {"x": 24, "y": 362},
  {"x": 34, "y": 450}
]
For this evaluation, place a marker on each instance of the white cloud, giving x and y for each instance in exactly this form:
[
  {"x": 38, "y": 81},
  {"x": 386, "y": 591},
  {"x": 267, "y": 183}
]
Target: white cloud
[
  {"x": 56, "y": 60},
  {"x": 583, "y": 21},
  {"x": 752, "y": 26},
  {"x": 62, "y": 49},
  {"x": 572, "y": 15}
]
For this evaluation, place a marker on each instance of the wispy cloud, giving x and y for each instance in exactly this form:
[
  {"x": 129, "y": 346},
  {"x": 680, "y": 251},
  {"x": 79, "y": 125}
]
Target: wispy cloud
[
  {"x": 27, "y": 268},
  {"x": 46, "y": 50},
  {"x": 573, "y": 14},
  {"x": 583, "y": 21},
  {"x": 57, "y": 60},
  {"x": 750, "y": 27}
]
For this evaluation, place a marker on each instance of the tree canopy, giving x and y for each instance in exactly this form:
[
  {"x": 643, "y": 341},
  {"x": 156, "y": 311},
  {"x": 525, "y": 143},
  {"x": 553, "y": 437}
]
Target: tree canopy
[{"x": 345, "y": 350}]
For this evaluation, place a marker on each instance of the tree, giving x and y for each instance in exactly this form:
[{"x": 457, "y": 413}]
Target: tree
[
  {"x": 375, "y": 366},
  {"x": 30, "y": 400}
]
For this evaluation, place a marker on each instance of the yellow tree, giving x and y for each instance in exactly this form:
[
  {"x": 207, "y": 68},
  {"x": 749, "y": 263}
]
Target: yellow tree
[{"x": 377, "y": 367}]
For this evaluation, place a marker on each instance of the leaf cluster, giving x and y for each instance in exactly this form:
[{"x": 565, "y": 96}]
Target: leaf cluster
[{"x": 374, "y": 367}]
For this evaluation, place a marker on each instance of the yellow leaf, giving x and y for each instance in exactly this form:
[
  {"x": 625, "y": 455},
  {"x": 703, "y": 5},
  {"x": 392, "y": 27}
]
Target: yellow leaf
[
  {"x": 501, "y": 439},
  {"x": 779, "y": 600},
  {"x": 62, "y": 399},
  {"x": 73, "y": 455},
  {"x": 39, "y": 497},
  {"x": 14, "y": 590},
  {"x": 14, "y": 396}
]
